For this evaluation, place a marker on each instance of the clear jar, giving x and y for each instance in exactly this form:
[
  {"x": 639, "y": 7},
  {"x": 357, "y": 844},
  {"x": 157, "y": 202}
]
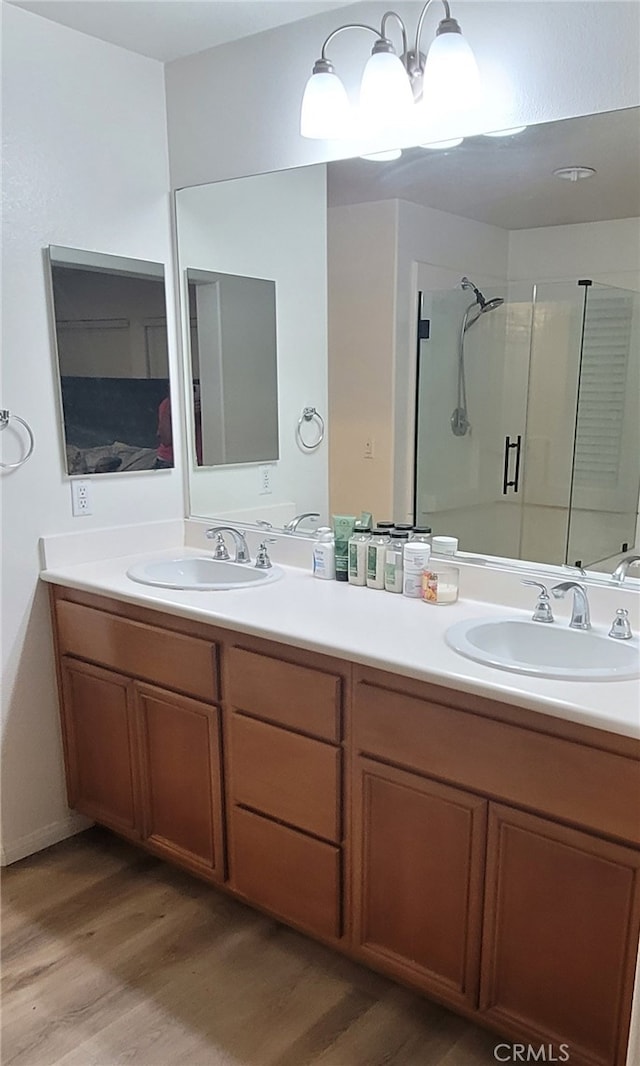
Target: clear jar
[
  {"x": 394, "y": 562},
  {"x": 376, "y": 549},
  {"x": 422, "y": 534},
  {"x": 416, "y": 559},
  {"x": 444, "y": 545},
  {"x": 358, "y": 554},
  {"x": 440, "y": 582}
]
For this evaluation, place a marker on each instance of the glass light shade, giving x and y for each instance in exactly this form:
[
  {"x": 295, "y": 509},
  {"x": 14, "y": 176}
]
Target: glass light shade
[
  {"x": 451, "y": 81},
  {"x": 386, "y": 99},
  {"x": 325, "y": 108}
]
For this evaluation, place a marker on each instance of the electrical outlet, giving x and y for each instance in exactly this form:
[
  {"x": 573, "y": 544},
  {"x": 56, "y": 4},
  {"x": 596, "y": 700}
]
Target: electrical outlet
[
  {"x": 368, "y": 448},
  {"x": 81, "y": 498},
  {"x": 265, "y": 481}
]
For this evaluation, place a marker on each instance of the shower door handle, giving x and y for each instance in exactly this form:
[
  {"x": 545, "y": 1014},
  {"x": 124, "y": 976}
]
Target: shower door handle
[{"x": 510, "y": 445}]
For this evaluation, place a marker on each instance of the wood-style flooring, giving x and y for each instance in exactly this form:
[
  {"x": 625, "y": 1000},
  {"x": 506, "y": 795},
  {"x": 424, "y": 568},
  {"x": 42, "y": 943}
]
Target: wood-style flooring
[{"x": 113, "y": 957}]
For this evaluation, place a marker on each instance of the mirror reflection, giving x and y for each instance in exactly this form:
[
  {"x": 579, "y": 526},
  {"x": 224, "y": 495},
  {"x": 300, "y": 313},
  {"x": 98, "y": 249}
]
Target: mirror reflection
[
  {"x": 233, "y": 368},
  {"x": 476, "y": 382},
  {"x": 112, "y": 362}
]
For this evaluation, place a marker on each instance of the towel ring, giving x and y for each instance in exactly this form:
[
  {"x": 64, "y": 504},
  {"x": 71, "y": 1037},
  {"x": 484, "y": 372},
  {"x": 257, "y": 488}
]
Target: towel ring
[
  {"x": 5, "y": 418},
  {"x": 310, "y": 414}
]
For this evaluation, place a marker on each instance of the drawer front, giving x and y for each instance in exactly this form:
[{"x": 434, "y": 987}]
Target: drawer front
[
  {"x": 290, "y": 695},
  {"x": 285, "y": 775},
  {"x": 552, "y": 776},
  {"x": 170, "y": 659},
  {"x": 291, "y": 875}
]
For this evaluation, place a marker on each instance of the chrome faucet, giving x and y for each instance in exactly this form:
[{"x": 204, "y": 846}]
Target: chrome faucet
[
  {"x": 580, "y": 616},
  {"x": 242, "y": 548},
  {"x": 620, "y": 571},
  {"x": 292, "y": 526}
]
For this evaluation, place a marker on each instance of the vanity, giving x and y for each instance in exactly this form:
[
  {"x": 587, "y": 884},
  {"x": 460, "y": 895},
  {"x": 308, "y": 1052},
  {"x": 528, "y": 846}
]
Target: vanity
[{"x": 472, "y": 835}]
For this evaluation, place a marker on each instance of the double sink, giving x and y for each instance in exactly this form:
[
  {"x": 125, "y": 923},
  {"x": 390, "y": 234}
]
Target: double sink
[{"x": 512, "y": 644}]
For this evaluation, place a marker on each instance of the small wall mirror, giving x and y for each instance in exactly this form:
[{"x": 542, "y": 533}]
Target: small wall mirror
[
  {"x": 234, "y": 368},
  {"x": 112, "y": 360}
]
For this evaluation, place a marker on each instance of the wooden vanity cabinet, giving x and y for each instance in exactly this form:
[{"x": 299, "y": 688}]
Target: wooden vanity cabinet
[
  {"x": 420, "y": 847},
  {"x": 485, "y": 854},
  {"x": 538, "y": 938},
  {"x": 101, "y": 752},
  {"x": 284, "y": 731},
  {"x": 141, "y": 758}
]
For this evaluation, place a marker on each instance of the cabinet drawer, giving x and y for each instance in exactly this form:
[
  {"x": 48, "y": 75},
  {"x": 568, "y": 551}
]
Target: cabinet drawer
[
  {"x": 285, "y": 775},
  {"x": 290, "y": 695},
  {"x": 170, "y": 659},
  {"x": 291, "y": 875},
  {"x": 550, "y": 775}
]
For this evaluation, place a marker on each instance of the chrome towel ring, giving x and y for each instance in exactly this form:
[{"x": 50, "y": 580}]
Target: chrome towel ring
[
  {"x": 310, "y": 414},
  {"x": 5, "y": 418}
]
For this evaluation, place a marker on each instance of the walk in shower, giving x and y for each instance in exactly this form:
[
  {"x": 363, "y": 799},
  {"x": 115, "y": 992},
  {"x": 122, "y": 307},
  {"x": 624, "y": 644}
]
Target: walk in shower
[{"x": 540, "y": 459}]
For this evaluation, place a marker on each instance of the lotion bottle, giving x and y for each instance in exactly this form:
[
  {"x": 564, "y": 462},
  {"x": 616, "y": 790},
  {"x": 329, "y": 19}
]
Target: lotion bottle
[{"x": 324, "y": 555}]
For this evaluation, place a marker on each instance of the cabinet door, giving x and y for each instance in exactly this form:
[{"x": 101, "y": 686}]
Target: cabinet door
[
  {"x": 100, "y": 745},
  {"x": 181, "y": 780},
  {"x": 561, "y": 933},
  {"x": 419, "y": 852}
]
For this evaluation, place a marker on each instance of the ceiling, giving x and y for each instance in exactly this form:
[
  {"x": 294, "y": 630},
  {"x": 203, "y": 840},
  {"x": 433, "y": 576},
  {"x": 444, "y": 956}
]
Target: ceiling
[
  {"x": 509, "y": 182},
  {"x": 172, "y": 29}
]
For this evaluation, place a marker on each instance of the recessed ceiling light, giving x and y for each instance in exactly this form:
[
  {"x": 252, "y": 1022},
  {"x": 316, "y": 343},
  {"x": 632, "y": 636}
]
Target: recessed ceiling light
[{"x": 574, "y": 173}]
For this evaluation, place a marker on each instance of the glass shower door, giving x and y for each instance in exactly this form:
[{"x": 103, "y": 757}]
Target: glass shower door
[{"x": 606, "y": 475}]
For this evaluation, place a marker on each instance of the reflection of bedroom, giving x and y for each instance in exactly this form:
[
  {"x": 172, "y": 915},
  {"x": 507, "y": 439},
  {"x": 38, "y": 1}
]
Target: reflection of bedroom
[{"x": 112, "y": 352}]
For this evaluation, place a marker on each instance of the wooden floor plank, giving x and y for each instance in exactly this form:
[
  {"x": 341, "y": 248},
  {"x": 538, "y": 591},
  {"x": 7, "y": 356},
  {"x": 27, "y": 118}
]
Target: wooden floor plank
[{"x": 111, "y": 957}]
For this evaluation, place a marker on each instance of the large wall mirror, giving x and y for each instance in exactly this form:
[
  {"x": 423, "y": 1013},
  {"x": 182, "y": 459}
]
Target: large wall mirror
[
  {"x": 112, "y": 362},
  {"x": 482, "y": 321}
]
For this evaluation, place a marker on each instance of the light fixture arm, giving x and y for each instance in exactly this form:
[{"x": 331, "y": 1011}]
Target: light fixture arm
[
  {"x": 347, "y": 26},
  {"x": 403, "y": 29},
  {"x": 447, "y": 15}
]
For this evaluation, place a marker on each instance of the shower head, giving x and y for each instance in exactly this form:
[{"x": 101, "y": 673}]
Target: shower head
[{"x": 491, "y": 305}]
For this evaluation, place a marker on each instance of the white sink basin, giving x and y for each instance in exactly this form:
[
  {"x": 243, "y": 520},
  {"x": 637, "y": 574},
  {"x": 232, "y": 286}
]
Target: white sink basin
[
  {"x": 545, "y": 650},
  {"x": 203, "y": 573}
]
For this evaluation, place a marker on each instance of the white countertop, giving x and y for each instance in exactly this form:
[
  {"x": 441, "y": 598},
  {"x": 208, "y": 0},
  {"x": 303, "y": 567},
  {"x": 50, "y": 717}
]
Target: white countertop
[{"x": 373, "y": 628}]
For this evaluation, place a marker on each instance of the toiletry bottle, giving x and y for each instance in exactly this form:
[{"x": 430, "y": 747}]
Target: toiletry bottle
[
  {"x": 358, "y": 543},
  {"x": 324, "y": 555},
  {"x": 404, "y": 527},
  {"x": 444, "y": 545},
  {"x": 376, "y": 549},
  {"x": 416, "y": 559},
  {"x": 421, "y": 534},
  {"x": 343, "y": 526},
  {"x": 394, "y": 558}
]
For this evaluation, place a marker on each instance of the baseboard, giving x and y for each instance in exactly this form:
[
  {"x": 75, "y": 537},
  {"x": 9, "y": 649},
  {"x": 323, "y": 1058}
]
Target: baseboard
[{"x": 43, "y": 838}]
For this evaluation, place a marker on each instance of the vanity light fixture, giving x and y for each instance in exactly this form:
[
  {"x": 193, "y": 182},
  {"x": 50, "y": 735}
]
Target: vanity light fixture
[
  {"x": 395, "y": 90},
  {"x": 574, "y": 173},
  {"x": 506, "y": 133},
  {"x": 439, "y": 145}
]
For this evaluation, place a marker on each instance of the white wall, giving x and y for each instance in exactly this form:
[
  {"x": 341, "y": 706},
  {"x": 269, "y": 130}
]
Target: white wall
[
  {"x": 274, "y": 227},
  {"x": 547, "y": 59},
  {"x": 85, "y": 165}
]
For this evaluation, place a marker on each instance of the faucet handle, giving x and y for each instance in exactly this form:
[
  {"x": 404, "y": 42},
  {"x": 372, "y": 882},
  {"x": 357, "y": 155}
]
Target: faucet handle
[
  {"x": 621, "y": 627},
  {"x": 542, "y": 611},
  {"x": 263, "y": 562},
  {"x": 220, "y": 550}
]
